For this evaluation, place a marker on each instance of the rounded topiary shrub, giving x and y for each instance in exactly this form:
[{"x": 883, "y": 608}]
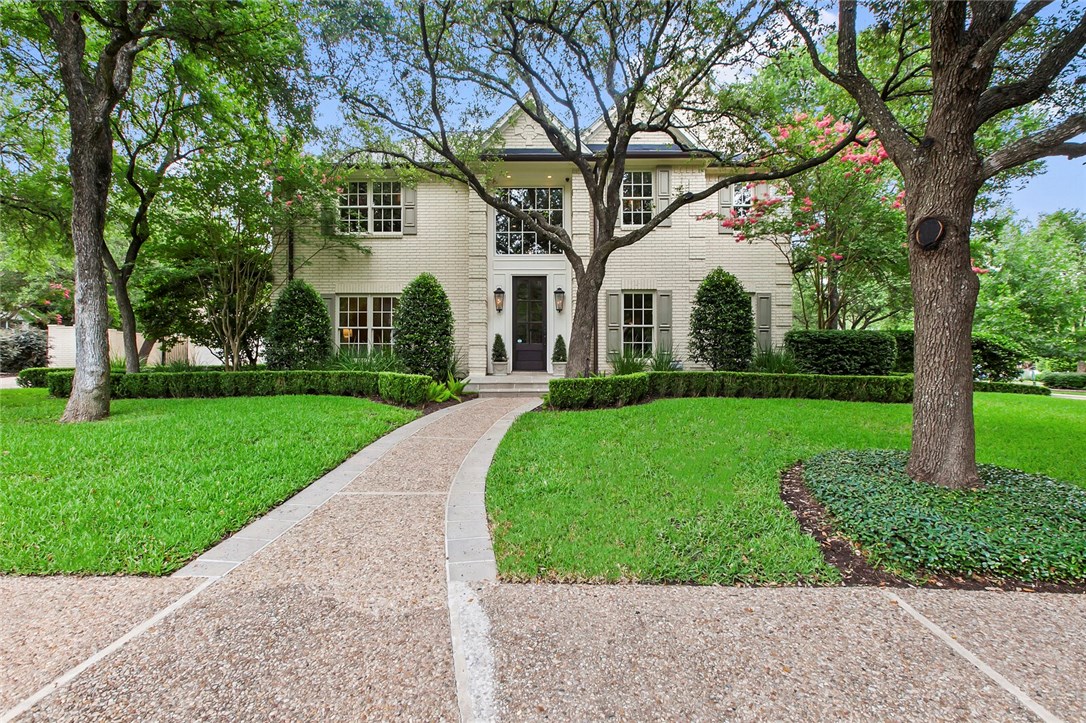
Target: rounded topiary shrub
[
  {"x": 23, "y": 349},
  {"x": 299, "y": 330},
  {"x": 722, "y": 323},
  {"x": 423, "y": 328}
]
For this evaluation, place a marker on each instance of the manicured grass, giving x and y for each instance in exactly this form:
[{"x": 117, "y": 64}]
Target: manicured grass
[
  {"x": 686, "y": 490},
  {"x": 161, "y": 480},
  {"x": 1019, "y": 526}
]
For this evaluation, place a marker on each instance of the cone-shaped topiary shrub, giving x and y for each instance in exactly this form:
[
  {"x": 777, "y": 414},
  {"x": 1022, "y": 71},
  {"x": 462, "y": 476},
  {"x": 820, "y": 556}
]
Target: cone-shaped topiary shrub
[
  {"x": 423, "y": 328},
  {"x": 299, "y": 330},
  {"x": 722, "y": 323},
  {"x": 559, "y": 353},
  {"x": 497, "y": 352}
]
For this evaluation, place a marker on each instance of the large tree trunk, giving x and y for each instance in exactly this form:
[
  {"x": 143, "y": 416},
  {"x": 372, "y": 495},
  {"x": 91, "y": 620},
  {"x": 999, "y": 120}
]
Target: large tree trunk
[
  {"x": 584, "y": 320},
  {"x": 944, "y": 299},
  {"x": 91, "y": 159}
]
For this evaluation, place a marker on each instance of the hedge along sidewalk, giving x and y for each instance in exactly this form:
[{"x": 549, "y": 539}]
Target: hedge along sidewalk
[
  {"x": 620, "y": 390},
  {"x": 407, "y": 389}
]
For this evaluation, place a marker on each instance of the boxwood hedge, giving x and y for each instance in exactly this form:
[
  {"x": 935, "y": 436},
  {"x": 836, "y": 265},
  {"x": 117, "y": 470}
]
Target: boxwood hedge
[
  {"x": 842, "y": 351},
  {"x": 630, "y": 388},
  {"x": 408, "y": 389},
  {"x": 1065, "y": 380},
  {"x": 1011, "y": 388}
]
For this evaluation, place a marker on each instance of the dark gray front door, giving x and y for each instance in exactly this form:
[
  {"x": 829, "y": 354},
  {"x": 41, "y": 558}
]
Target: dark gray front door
[{"x": 529, "y": 323}]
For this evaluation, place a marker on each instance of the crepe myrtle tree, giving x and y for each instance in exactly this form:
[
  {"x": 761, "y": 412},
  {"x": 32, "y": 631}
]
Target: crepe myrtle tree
[
  {"x": 422, "y": 88},
  {"x": 970, "y": 66},
  {"x": 88, "y": 51}
]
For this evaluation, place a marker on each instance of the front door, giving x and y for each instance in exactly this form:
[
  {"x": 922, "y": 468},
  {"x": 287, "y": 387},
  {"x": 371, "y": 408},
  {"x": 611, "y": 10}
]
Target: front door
[{"x": 529, "y": 323}]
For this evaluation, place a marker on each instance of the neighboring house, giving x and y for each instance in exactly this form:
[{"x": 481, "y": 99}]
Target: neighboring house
[{"x": 478, "y": 254}]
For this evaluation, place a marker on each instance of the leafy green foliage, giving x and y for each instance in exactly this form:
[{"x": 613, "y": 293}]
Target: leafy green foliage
[
  {"x": 1065, "y": 380},
  {"x": 722, "y": 323},
  {"x": 996, "y": 358},
  {"x": 774, "y": 361},
  {"x": 371, "y": 360},
  {"x": 161, "y": 480},
  {"x": 423, "y": 328},
  {"x": 842, "y": 351},
  {"x": 904, "y": 342},
  {"x": 299, "y": 330},
  {"x": 1018, "y": 526},
  {"x": 626, "y": 362},
  {"x": 22, "y": 349},
  {"x": 559, "y": 353},
  {"x": 1008, "y": 388},
  {"x": 699, "y": 492},
  {"x": 663, "y": 360},
  {"x": 409, "y": 389},
  {"x": 437, "y": 392},
  {"x": 497, "y": 352},
  {"x": 609, "y": 391},
  {"x": 456, "y": 387}
]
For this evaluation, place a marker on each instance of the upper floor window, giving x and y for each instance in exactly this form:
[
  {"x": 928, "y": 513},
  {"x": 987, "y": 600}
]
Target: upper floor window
[
  {"x": 514, "y": 236},
  {"x": 742, "y": 199},
  {"x": 364, "y": 323},
  {"x": 371, "y": 207},
  {"x": 638, "y": 323},
  {"x": 636, "y": 198}
]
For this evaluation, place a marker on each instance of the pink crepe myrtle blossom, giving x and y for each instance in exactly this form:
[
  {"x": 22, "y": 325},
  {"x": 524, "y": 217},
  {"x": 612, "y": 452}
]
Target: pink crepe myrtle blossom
[
  {"x": 47, "y": 302},
  {"x": 837, "y": 257},
  {"x": 800, "y": 117},
  {"x": 825, "y": 122},
  {"x": 60, "y": 319},
  {"x": 821, "y": 259},
  {"x": 289, "y": 203},
  {"x": 279, "y": 178}
]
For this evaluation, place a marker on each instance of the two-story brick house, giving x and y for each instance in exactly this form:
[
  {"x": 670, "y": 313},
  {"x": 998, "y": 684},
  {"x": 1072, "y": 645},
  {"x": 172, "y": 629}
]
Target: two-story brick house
[{"x": 502, "y": 279}]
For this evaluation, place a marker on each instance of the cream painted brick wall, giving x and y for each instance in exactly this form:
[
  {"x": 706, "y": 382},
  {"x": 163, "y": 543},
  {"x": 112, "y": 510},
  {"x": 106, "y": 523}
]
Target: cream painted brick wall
[{"x": 454, "y": 243}]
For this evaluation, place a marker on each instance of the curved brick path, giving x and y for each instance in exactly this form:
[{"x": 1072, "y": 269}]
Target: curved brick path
[{"x": 342, "y": 617}]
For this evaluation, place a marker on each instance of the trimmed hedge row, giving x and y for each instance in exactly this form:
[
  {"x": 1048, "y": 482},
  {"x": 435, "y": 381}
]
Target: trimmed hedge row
[
  {"x": 1011, "y": 388},
  {"x": 37, "y": 377},
  {"x": 628, "y": 389},
  {"x": 1065, "y": 380},
  {"x": 842, "y": 351},
  {"x": 408, "y": 389}
]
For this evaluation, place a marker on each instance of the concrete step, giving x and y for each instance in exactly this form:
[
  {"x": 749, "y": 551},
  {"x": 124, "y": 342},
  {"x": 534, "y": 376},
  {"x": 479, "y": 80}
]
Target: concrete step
[{"x": 510, "y": 393}]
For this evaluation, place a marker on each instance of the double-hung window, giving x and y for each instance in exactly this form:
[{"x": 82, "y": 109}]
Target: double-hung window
[
  {"x": 512, "y": 235},
  {"x": 742, "y": 199},
  {"x": 371, "y": 207},
  {"x": 636, "y": 198},
  {"x": 364, "y": 322},
  {"x": 638, "y": 322}
]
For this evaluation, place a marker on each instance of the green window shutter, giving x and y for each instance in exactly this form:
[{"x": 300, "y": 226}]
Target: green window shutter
[
  {"x": 723, "y": 206},
  {"x": 663, "y": 191},
  {"x": 614, "y": 322},
  {"x": 663, "y": 320},
  {"x": 410, "y": 212},
  {"x": 328, "y": 219},
  {"x": 763, "y": 320},
  {"x": 330, "y": 302}
]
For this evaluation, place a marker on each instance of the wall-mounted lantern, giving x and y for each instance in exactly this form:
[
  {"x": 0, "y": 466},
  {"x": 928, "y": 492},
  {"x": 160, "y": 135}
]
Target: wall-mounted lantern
[
  {"x": 347, "y": 334},
  {"x": 559, "y": 300},
  {"x": 499, "y": 299}
]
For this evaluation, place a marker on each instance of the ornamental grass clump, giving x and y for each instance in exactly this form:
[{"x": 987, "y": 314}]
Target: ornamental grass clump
[{"x": 423, "y": 328}]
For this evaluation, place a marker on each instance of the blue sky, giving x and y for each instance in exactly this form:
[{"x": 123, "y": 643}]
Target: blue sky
[{"x": 1063, "y": 185}]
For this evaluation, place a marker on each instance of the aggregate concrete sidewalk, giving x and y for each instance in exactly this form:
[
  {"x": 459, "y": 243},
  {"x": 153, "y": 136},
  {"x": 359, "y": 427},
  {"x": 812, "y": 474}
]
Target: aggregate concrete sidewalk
[{"x": 342, "y": 617}]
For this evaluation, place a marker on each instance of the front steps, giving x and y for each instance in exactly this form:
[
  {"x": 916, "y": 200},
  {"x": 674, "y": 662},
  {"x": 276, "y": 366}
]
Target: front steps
[{"x": 514, "y": 384}]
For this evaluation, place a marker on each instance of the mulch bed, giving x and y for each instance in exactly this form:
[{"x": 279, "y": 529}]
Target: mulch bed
[
  {"x": 431, "y": 407},
  {"x": 857, "y": 571}
]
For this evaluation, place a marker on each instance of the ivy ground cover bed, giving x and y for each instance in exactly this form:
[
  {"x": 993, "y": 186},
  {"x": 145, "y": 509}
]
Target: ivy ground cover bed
[
  {"x": 161, "y": 480},
  {"x": 687, "y": 490}
]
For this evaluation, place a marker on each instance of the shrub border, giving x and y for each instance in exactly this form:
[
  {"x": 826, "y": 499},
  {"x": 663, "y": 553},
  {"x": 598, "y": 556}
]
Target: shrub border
[{"x": 403, "y": 389}]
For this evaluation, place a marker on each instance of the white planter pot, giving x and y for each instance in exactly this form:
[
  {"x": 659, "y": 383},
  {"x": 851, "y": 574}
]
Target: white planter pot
[
  {"x": 501, "y": 368},
  {"x": 559, "y": 368}
]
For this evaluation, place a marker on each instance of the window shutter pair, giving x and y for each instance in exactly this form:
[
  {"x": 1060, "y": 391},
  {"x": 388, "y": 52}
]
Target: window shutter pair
[
  {"x": 663, "y": 191},
  {"x": 763, "y": 320},
  {"x": 724, "y": 205},
  {"x": 614, "y": 321}
]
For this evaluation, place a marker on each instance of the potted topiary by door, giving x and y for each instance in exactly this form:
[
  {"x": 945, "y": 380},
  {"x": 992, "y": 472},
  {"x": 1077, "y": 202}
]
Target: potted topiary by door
[
  {"x": 558, "y": 356},
  {"x": 499, "y": 357}
]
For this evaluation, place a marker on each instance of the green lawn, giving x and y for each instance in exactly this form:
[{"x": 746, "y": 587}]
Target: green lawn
[
  {"x": 161, "y": 480},
  {"x": 686, "y": 490}
]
